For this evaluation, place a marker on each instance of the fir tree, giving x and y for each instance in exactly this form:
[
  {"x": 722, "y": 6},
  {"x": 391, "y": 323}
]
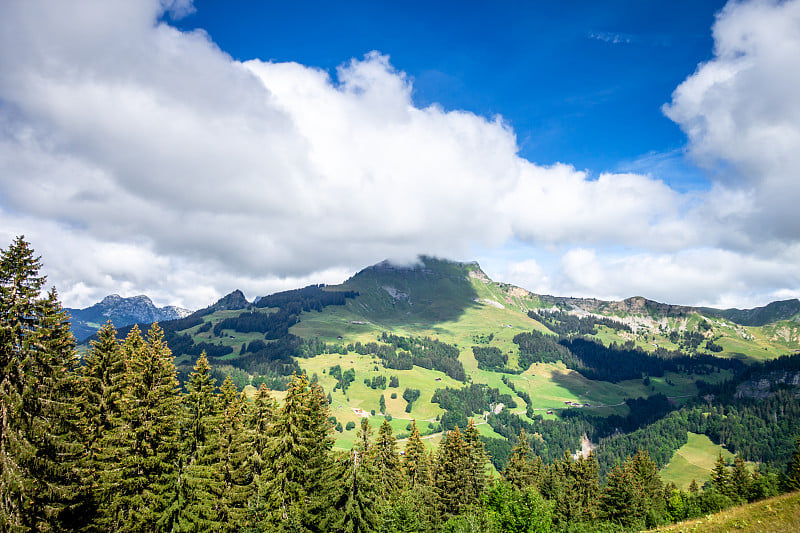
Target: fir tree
[
  {"x": 354, "y": 508},
  {"x": 262, "y": 413},
  {"x": 720, "y": 477},
  {"x": 793, "y": 475},
  {"x": 197, "y": 486},
  {"x": 623, "y": 499},
  {"x": 102, "y": 375},
  {"x": 39, "y": 437},
  {"x": 232, "y": 466},
  {"x": 298, "y": 455},
  {"x": 477, "y": 463},
  {"x": 143, "y": 452},
  {"x": 519, "y": 471},
  {"x": 740, "y": 478},
  {"x": 451, "y": 472},
  {"x": 414, "y": 459},
  {"x": 387, "y": 461}
]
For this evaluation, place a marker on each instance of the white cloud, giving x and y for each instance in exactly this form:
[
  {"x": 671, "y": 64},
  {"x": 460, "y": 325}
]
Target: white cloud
[
  {"x": 741, "y": 113},
  {"x": 139, "y": 158}
]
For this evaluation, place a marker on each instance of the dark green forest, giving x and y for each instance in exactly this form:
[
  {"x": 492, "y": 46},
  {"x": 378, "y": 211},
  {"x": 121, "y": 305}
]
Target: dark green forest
[{"x": 114, "y": 441}]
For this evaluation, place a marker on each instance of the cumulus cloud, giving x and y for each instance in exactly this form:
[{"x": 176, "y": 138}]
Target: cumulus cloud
[
  {"x": 741, "y": 113},
  {"x": 139, "y": 158}
]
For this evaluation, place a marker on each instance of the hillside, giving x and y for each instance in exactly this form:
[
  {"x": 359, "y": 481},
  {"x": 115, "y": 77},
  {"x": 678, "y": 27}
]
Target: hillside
[
  {"x": 775, "y": 515},
  {"x": 459, "y": 345}
]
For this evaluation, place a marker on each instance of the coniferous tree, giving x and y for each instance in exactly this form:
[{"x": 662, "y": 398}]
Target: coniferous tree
[
  {"x": 232, "y": 466},
  {"x": 101, "y": 390},
  {"x": 623, "y": 499},
  {"x": 354, "y": 508},
  {"x": 519, "y": 471},
  {"x": 262, "y": 413},
  {"x": 451, "y": 471},
  {"x": 720, "y": 477},
  {"x": 740, "y": 478},
  {"x": 39, "y": 437},
  {"x": 477, "y": 463},
  {"x": 793, "y": 476},
  {"x": 298, "y": 456},
  {"x": 143, "y": 450},
  {"x": 573, "y": 486},
  {"x": 197, "y": 486},
  {"x": 648, "y": 478},
  {"x": 387, "y": 461},
  {"x": 414, "y": 459}
]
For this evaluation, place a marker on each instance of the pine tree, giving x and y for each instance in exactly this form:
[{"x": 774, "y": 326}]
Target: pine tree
[
  {"x": 39, "y": 435},
  {"x": 298, "y": 458},
  {"x": 740, "y": 478},
  {"x": 261, "y": 414},
  {"x": 197, "y": 486},
  {"x": 519, "y": 470},
  {"x": 451, "y": 471},
  {"x": 720, "y": 477},
  {"x": 232, "y": 466},
  {"x": 793, "y": 475},
  {"x": 477, "y": 463},
  {"x": 414, "y": 459},
  {"x": 387, "y": 461},
  {"x": 143, "y": 451},
  {"x": 101, "y": 390}
]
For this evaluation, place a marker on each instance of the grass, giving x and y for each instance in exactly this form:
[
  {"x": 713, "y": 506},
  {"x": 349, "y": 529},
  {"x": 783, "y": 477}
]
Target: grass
[
  {"x": 775, "y": 515},
  {"x": 693, "y": 461}
]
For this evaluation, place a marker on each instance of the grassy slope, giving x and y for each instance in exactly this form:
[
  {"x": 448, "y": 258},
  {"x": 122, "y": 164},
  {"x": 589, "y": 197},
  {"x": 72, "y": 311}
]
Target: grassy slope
[
  {"x": 444, "y": 302},
  {"x": 775, "y": 515},
  {"x": 694, "y": 460}
]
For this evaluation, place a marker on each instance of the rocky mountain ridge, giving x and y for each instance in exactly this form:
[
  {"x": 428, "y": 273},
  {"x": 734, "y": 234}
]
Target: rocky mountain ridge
[{"x": 122, "y": 312}]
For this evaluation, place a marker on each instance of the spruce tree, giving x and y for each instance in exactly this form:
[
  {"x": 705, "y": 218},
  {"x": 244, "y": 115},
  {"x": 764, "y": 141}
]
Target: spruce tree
[
  {"x": 141, "y": 476},
  {"x": 793, "y": 475},
  {"x": 623, "y": 499},
  {"x": 740, "y": 479},
  {"x": 519, "y": 468},
  {"x": 298, "y": 457},
  {"x": 354, "y": 506},
  {"x": 101, "y": 390},
  {"x": 451, "y": 471},
  {"x": 720, "y": 477},
  {"x": 387, "y": 461},
  {"x": 39, "y": 437},
  {"x": 477, "y": 463},
  {"x": 198, "y": 487},
  {"x": 232, "y": 466},
  {"x": 261, "y": 414},
  {"x": 414, "y": 459}
]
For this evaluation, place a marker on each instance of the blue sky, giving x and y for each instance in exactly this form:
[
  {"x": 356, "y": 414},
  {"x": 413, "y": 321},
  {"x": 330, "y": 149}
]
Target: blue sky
[
  {"x": 559, "y": 73},
  {"x": 182, "y": 149}
]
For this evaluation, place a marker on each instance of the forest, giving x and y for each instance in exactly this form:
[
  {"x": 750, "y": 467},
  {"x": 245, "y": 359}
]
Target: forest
[{"x": 112, "y": 441}]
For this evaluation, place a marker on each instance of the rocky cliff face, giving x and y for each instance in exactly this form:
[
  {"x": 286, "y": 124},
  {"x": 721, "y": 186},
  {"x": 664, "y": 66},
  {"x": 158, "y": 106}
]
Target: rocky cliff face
[{"x": 121, "y": 312}]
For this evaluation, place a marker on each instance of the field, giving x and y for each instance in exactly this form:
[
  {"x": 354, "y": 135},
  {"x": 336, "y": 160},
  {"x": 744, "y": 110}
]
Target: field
[{"x": 693, "y": 461}]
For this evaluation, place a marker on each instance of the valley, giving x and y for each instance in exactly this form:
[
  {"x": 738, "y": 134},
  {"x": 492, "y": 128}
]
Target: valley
[{"x": 314, "y": 330}]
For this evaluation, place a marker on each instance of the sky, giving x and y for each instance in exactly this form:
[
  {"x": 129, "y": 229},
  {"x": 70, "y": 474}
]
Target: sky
[{"x": 184, "y": 149}]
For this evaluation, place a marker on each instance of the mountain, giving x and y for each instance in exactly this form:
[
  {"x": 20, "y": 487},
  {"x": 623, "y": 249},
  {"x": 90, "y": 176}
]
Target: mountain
[{"x": 122, "y": 312}]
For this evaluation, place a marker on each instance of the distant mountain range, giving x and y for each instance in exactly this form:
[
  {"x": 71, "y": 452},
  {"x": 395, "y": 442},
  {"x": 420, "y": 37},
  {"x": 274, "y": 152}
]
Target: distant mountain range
[
  {"x": 436, "y": 290},
  {"x": 122, "y": 312}
]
